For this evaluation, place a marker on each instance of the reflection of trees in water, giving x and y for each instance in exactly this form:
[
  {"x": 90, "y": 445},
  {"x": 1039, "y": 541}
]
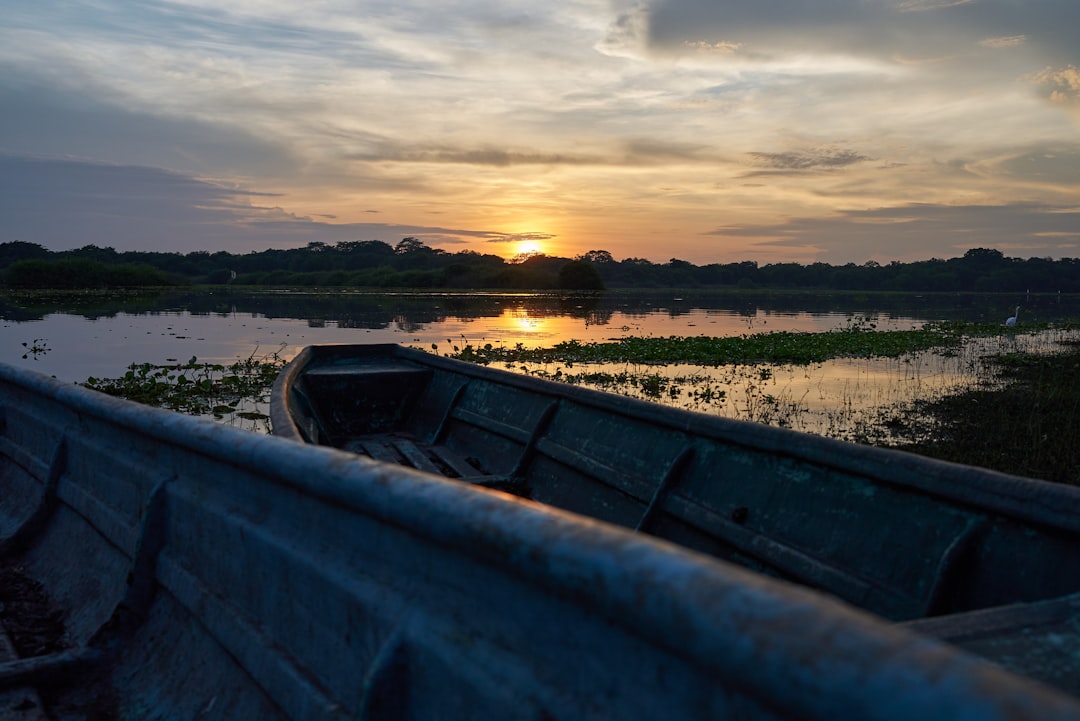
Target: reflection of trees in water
[
  {"x": 598, "y": 317},
  {"x": 25, "y": 306},
  {"x": 363, "y": 323},
  {"x": 411, "y": 311},
  {"x": 403, "y": 323},
  {"x": 371, "y": 312}
]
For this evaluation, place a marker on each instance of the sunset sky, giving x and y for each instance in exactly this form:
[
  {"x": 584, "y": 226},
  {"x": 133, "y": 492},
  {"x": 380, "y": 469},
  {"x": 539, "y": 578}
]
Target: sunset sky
[{"x": 705, "y": 130}]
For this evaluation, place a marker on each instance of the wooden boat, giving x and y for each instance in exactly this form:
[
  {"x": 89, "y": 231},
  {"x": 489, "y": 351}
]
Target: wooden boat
[
  {"x": 984, "y": 560},
  {"x": 156, "y": 566}
]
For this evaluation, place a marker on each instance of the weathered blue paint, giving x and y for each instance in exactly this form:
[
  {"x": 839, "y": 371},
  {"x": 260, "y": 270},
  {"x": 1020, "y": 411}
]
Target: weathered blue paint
[{"x": 213, "y": 573}]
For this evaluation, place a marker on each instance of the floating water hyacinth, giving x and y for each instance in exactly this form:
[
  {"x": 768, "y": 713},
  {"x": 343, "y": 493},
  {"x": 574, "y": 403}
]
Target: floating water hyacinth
[{"x": 234, "y": 393}]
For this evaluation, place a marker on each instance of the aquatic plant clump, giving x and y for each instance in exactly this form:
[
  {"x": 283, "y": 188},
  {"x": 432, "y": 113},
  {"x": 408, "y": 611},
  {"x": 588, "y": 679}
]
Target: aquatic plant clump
[
  {"x": 1010, "y": 405},
  {"x": 235, "y": 393},
  {"x": 858, "y": 340}
]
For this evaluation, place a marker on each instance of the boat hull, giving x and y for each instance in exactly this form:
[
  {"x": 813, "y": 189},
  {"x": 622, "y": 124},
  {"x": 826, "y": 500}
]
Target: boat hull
[
  {"x": 202, "y": 571},
  {"x": 904, "y": 537}
]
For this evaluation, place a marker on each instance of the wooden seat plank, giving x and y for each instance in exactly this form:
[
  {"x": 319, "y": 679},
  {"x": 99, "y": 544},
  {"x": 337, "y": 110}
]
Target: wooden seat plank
[
  {"x": 380, "y": 450},
  {"x": 457, "y": 462},
  {"x": 416, "y": 456}
]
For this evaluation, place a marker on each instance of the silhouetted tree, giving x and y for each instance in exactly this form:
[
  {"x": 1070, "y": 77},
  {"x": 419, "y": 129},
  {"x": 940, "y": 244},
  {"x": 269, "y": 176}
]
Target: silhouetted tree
[
  {"x": 410, "y": 245},
  {"x": 580, "y": 275},
  {"x": 373, "y": 263},
  {"x": 19, "y": 250},
  {"x": 597, "y": 256}
]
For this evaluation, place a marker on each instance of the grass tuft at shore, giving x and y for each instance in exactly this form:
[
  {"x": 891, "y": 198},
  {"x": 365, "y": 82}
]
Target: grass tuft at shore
[{"x": 1026, "y": 421}]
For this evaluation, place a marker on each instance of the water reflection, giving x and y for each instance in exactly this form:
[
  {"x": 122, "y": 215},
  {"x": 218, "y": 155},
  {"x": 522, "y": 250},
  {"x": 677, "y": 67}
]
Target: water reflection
[
  {"x": 376, "y": 311},
  {"x": 100, "y": 334},
  {"x": 845, "y": 398}
]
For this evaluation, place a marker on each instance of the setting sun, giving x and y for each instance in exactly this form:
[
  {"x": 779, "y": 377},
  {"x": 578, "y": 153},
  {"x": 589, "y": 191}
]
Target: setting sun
[{"x": 529, "y": 247}]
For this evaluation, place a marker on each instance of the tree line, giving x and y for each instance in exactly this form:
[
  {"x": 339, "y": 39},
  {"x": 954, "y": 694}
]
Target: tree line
[{"x": 412, "y": 264}]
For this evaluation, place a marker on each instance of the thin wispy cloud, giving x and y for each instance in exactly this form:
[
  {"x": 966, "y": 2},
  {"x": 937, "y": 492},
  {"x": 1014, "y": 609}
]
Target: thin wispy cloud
[
  {"x": 924, "y": 5},
  {"x": 1010, "y": 41},
  {"x": 808, "y": 160},
  {"x": 519, "y": 237}
]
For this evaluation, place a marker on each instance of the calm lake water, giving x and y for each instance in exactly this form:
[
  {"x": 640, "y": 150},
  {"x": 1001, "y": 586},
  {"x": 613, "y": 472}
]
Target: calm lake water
[{"x": 100, "y": 335}]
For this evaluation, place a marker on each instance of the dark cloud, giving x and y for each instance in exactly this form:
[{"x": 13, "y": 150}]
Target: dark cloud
[
  {"x": 517, "y": 237},
  {"x": 648, "y": 151},
  {"x": 801, "y": 161},
  {"x": 1052, "y": 164},
  {"x": 904, "y": 28},
  {"x": 631, "y": 152},
  {"x": 64, "y": 203},
  {"x": 625, "y": 30},
  {"x": 920, "y": 231},
  {"x": 497, "y": 157},
  {"x": 56, "y": 121}
]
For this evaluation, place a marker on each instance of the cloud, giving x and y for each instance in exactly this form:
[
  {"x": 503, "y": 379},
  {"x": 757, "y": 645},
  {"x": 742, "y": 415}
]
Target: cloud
[
  {"x": 640, "y": 151},
  {"x": 1052, "y": 166},
  {"x": 1010, "y": 41},
  {"x": 924, "y": 5},
  {"x": 807, "y": 160},
  {"x": 721, "y": 47},
  {"x": 64, "y": 203},
  {"x": 626, "y": 31},
  {"x": 489, "y": 156},
  {"x": 1061, "y": 87},
  {"x": 43, "y": 119},
  {"x": 918, "y": 231},
  {"x": 882, "y": 30},
  {"x": 651, "y": 151},
  {"x": 518, "y": 237}
]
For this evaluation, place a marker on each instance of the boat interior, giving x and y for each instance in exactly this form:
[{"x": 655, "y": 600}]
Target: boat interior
[{"x": 902, "y": 536}]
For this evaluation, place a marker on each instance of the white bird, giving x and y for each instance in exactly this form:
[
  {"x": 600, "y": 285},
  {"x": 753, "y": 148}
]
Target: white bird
[{"x": 1010, "y": 322}]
